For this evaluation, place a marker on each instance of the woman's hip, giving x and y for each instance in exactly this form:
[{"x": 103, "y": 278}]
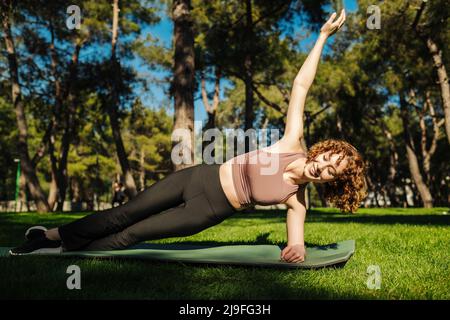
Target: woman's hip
[{"x": 210, "y": 178}]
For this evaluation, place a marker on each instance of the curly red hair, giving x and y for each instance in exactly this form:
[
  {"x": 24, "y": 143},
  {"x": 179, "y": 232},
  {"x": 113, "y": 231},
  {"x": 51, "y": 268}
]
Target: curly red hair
[{"x": 349, "y": 188}]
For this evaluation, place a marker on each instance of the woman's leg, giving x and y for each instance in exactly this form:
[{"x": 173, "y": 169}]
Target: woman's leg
[
  {"x": 206, "y": 205},
  {"x": 184, "y": 220},
  {"x": 162, "y": 195}
]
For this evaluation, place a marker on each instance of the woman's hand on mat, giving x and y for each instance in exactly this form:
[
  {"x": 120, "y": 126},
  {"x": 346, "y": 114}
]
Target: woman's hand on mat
[
  {"x": 330, "y": 27},
  {"x": 294, "y": 253}
]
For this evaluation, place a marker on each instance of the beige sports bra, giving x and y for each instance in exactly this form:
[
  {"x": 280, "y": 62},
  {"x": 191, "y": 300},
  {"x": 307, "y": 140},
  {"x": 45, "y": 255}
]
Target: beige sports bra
[{"x": 258, "y": 177}]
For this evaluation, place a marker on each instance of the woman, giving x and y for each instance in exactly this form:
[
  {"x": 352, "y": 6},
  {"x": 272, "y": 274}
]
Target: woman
[{"x": 195, "y": 198}]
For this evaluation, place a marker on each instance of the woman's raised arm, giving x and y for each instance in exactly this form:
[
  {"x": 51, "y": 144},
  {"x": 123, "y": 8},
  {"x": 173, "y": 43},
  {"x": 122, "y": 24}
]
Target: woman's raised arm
[{"x": 305, "y": 77}]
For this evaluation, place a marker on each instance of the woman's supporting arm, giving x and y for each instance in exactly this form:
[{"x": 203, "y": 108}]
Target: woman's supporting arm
[
  {"x": 296, "y": 217},
  {"x": 295, "y": 250},
  {"x": 295, "y": 222}
]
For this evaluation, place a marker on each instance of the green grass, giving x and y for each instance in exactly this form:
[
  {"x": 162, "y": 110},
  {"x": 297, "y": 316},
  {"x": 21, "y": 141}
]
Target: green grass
[{"x": 411, "y": 247}]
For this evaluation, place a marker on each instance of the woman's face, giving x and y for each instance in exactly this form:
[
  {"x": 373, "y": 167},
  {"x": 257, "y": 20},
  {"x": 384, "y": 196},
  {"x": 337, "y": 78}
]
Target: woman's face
[{"x": 325, "y": 167}]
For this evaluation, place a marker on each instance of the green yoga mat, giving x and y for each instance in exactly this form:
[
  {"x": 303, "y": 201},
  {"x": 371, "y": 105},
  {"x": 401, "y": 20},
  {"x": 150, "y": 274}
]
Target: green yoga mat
[{"x": 254, "y": 255}]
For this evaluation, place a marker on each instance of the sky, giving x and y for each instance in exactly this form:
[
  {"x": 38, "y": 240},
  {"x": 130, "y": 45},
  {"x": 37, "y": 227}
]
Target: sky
[{"x": 155, "y": 97}]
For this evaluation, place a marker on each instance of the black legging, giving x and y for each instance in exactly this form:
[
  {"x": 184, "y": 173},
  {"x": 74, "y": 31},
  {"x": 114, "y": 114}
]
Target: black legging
[{"x": 183, "y": 203}]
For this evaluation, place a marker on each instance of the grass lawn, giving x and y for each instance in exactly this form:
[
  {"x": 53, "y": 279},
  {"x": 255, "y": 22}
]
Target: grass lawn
[{"x": 410, "y": 246}]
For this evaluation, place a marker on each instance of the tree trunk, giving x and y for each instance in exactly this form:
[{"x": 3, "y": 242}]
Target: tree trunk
[
  {"x": 183, "y": 83},
  {"x": 405, "y": 195},
  {"x": 53, "y": 193},
  {"x": 130, "y": 185},
  {"x": 210, "y": 108},
  {"x": 142, "y": 171},
  {"x": 385, "y": 196},
  {"x": 319, "y": 190},
  {"x": 427, "y": 153},
  {"x": 372, "y": 186},
  {"x": 69, "y": 127},
  {"x": 59, "y": 182},
  {"x": 376, "y": 193},
  {"x": 391, "y": 187},
  {"x": 76, "y": 204},
  {"x": 436, "y": 54},
  {"x": 248, "y": 78},
  {"x": 27, "y": 168},
  {"x": 54, "y": 123},
  {"x": 413, "y": 162},
  {"x": 22, "y": 193},
  {"x": 54, "y": 189}
]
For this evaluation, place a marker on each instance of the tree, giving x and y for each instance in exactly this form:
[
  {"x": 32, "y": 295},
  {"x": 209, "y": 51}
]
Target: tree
[
  {"x": 436, "y": 16},
  {"x": 183, "y": 81},
  {"x": 8, "y": 134},
  {"x": 130, "y": 185},
  {"x": 115, "y": 90},
  {"x": 210, "y": 108},
  {"x": 400, "y": 64},
  {"x": 16, "y": 96}
]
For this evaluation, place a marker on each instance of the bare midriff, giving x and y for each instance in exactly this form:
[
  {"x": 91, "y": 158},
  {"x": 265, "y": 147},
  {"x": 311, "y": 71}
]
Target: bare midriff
[{"x": 226, "y": 180}]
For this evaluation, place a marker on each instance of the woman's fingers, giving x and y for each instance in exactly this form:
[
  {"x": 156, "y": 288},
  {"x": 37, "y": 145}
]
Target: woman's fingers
[
  {"x": 296, "y": 258},
  {"x": 340, "y": 20},
  {"x": 332, "y": 18},
  {"x": 289, "y": 255},
  {"x": 343, "y": 19},
  {"x": 332, "y": 25},
  {"x": 284, "y": 252},
  {"x": 299, "y": 259},
  {"x": 287, "y": 250}
]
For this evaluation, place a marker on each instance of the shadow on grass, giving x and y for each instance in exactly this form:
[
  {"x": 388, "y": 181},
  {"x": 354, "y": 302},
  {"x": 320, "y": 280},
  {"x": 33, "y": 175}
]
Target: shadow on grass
[
  {"x": 268, "y": 216},
  {"x": 431, "y": 219},
  {"x": 261, "y": 239},
  {"x": 333, "y": 217}
]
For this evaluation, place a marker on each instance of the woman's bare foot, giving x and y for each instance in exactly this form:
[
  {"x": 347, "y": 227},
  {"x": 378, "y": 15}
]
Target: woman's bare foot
[
  {"x": 52, "y": 234},
  {"x": 39, "y": 240}
]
